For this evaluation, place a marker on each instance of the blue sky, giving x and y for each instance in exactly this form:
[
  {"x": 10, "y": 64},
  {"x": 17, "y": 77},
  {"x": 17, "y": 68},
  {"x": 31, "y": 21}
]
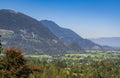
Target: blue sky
[{"x": 88, "y": 18}]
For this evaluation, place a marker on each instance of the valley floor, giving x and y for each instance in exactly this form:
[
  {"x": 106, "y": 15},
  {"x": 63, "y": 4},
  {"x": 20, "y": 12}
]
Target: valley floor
[{"x": 93, "y": 64}]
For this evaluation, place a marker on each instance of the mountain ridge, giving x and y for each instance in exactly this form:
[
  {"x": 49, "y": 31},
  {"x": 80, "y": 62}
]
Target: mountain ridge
[
  {"x": 110, "y": 41},
  {"x": 28, "y": 34},
  {"x": 67, "y": 35}
]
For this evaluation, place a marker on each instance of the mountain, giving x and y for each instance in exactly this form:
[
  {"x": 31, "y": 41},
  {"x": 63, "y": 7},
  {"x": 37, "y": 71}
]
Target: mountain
[
  {"x": 68, "y": 36},
  {"x": 110, "y": 41},
  {"x": 25, "y": 32}
]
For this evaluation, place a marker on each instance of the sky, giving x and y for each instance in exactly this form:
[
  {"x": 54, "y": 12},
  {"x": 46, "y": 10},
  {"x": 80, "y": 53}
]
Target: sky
[{"x": 88, "y": 18}]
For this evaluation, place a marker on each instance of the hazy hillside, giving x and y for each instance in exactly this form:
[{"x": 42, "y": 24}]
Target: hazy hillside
[
  {"x": 110, "y": 41},
  {"x": 69, "y": 36},
  {"x": 22, "y": 31}
]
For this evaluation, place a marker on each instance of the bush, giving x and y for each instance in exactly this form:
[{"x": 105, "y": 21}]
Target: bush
[{"x": 14, "y": 65}]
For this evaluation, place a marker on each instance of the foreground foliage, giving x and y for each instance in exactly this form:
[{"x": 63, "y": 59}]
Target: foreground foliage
[{"x": 14, "y": 65}]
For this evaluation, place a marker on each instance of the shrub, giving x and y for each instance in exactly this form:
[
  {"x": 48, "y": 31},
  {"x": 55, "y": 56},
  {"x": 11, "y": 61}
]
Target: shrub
[{"x": 14, "y": 65}]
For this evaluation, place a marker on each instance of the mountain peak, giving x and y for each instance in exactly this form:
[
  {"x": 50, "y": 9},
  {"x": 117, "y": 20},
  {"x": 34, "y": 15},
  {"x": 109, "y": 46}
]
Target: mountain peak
[
  {"x": 8, "y": 11},
  {"x": 47, "y": 20},
  {"x": 50, "y": 23}
]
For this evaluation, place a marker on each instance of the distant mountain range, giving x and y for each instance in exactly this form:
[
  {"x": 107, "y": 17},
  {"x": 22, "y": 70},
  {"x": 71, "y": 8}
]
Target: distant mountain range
[
  {"x": 68, "y": 36},
  {"x": 40, "y": 37},
  {"x": 110, "y": 41}
]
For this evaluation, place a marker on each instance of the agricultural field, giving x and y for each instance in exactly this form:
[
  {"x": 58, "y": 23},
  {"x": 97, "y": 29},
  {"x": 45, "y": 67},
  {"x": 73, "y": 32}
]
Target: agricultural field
[{"x": 95, "y": 56}]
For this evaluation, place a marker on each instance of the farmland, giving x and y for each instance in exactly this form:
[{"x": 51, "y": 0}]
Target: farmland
[{"x": 99, "y": 55}]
